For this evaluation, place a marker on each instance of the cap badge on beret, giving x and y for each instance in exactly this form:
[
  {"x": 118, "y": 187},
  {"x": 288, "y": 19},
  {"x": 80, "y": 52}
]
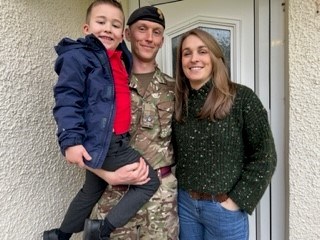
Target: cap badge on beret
[{"x": 160, "y": 14}]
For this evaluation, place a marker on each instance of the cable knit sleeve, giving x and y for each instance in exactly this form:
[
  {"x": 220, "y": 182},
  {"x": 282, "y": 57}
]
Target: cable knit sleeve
[{"x": 260, "y": 155}]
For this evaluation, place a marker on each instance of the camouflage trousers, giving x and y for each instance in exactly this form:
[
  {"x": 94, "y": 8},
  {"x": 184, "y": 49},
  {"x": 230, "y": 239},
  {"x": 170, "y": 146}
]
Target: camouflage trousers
[{"x": 156, "y": 220}]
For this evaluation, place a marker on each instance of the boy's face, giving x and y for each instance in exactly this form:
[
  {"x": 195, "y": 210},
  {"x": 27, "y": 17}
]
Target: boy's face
[
  {"x": 106, "y": 22},
  {"x": 146, "y": 38}
]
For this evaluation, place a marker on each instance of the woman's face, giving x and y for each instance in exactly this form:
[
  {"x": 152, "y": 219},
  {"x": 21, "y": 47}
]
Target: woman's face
[{"x": 196, "y": 61}]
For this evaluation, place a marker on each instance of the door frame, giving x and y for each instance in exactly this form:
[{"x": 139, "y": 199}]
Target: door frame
[
  {"x": 165, "y": 63},
  {"x": 269, "y": 34}
]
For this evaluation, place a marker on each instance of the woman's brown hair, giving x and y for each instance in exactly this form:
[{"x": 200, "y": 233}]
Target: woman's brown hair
[{"x": 220, "y": 98}]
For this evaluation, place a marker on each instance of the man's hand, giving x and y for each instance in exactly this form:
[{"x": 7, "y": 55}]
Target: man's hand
[
  {"x": 134, "y": 174},
  {"x": 75, "y": 155}
]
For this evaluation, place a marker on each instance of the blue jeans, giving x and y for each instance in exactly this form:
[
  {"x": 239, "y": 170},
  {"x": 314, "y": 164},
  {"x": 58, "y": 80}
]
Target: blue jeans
[{"x": 208, "y": 220}]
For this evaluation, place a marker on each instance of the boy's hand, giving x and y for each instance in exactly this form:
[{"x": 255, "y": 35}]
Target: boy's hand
[{"x": 75, "y": 155}]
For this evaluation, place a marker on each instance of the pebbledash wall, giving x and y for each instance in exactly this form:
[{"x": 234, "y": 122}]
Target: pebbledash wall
[
  {"x": 303, "y": 119},
  {"x": 35, "y": 183}
]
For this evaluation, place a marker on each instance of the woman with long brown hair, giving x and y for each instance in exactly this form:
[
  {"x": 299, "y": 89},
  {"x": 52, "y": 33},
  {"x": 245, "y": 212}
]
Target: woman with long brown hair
[{"x": 223, "y": 144}]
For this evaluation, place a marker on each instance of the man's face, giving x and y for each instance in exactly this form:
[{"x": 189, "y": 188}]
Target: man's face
[
  {"x": 106, "y": 23},
  {"x": 146, "y": 39}
]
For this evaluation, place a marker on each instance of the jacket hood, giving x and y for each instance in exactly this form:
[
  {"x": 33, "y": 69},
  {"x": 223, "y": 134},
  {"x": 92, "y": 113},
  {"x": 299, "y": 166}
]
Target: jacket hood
[
  {"x": 90, "y": 41},
  {"x": 93, "y": 44}
]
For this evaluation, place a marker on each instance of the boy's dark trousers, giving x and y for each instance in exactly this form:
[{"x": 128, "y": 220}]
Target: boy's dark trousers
[{"x": 119, "y": 154}]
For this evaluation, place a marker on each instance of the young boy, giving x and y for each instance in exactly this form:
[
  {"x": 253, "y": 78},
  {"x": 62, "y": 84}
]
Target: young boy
[{"x": 93, "y": 115}]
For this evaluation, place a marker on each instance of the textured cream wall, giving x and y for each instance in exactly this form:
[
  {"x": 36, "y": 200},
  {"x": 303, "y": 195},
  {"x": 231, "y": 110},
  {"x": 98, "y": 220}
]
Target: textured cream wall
[
  {"x": 304, "y": 123},
  {"x": 35, "y": 183}
]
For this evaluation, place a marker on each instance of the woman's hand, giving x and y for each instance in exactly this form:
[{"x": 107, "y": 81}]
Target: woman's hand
[{"x": 230, "y": 205}]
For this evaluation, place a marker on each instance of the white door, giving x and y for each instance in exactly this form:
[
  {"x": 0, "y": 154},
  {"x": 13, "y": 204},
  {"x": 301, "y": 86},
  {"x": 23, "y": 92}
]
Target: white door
[
  {"x": 243, "y": 30},
  {"x": 233, "y": 26}
]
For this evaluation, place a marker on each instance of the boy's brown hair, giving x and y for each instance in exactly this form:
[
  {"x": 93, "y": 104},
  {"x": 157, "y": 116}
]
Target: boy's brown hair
[{"x": 114, "y": 3}]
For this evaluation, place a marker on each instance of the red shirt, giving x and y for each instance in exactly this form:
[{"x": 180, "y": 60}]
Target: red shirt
[{"x": 122, "y": 93}]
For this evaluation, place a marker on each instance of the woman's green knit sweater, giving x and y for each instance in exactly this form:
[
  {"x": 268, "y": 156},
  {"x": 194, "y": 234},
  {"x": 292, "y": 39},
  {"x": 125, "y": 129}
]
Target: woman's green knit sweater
[{"x": 235, "y": 155}]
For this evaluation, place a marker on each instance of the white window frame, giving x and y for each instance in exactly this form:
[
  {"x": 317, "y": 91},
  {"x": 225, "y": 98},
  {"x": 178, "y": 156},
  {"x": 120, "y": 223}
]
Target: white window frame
[{"x": 209, "y": 22}]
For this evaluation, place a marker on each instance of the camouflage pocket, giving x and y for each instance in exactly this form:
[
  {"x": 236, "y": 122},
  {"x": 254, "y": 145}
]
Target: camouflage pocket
[
  {"x": 148, "y": 115},
  {"x": 165, "y": 110}
]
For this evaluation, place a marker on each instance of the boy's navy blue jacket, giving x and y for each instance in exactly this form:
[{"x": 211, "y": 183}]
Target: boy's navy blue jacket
[{"x": 84, "y": 96}]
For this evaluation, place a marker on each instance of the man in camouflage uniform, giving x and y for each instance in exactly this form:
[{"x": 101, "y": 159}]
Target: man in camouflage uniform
[{"x": 152, "y": 94}]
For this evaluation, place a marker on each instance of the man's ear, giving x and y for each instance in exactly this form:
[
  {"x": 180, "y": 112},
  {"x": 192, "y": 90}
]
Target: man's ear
[
  {"x": 127, "y": 34},
  {"x": 162, "y": 42}
]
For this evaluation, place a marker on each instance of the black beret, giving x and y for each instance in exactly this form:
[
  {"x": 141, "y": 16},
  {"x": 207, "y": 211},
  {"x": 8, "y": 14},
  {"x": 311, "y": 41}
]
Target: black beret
[{"x": 148, "y": 13}]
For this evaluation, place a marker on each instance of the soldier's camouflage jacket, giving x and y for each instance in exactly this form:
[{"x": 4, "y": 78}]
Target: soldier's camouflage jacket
[{"x": 154, "y": 111}]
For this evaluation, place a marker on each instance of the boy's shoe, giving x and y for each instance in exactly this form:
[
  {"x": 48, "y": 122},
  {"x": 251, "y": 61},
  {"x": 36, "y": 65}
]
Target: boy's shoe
[
  {"x": 91, "y": 230},
  {"x": 51, "y": 235}
]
